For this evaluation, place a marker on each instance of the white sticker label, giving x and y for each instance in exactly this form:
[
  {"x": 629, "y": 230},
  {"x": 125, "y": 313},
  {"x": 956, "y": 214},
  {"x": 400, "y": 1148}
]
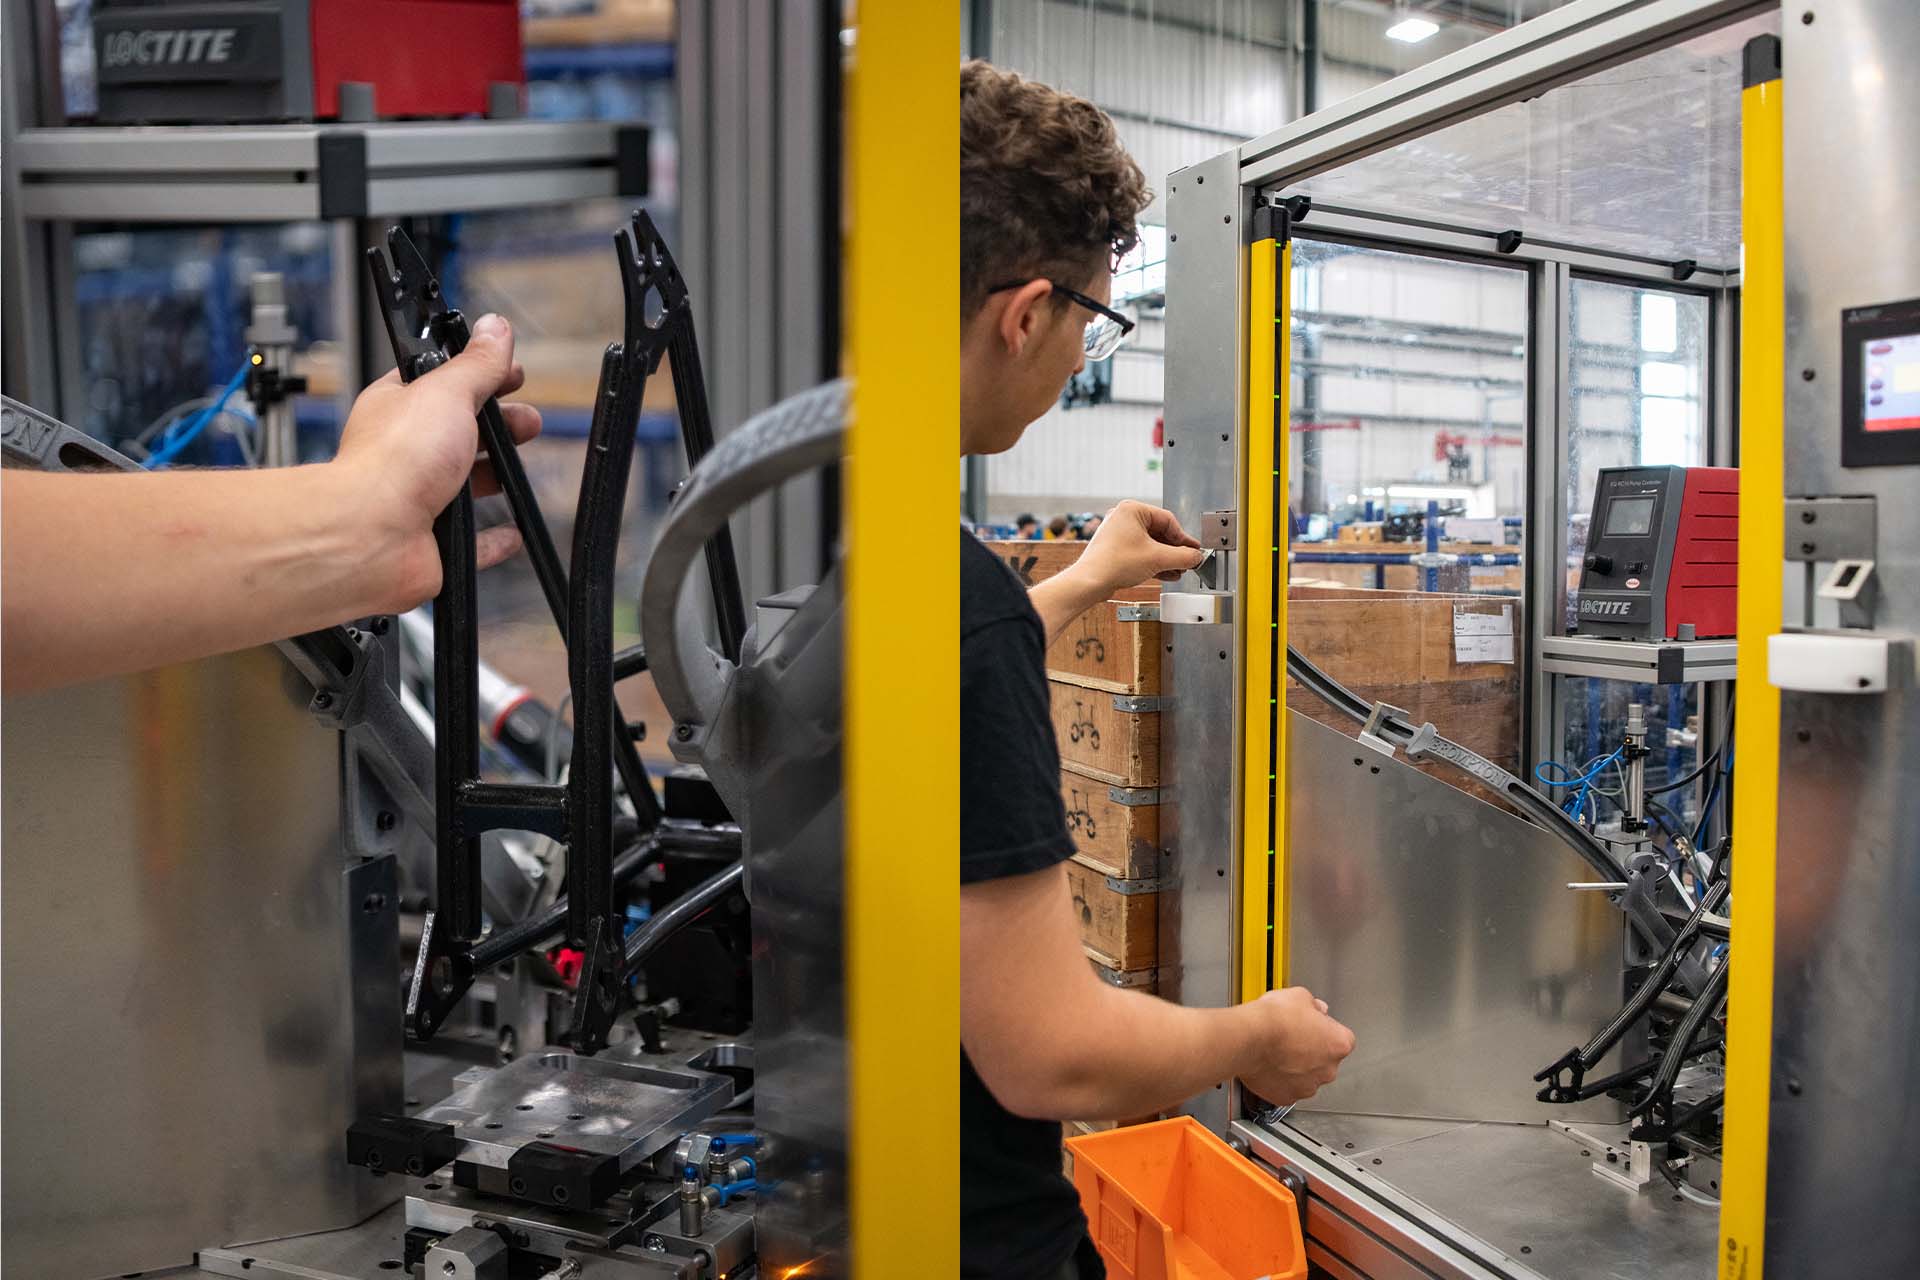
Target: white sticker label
[{"x": 1482, "y": 637}]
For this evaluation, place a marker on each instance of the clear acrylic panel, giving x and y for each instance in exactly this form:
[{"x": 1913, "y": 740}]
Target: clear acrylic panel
[
  {"x": 1636, "y": 390},
  {"x": 1408, "y": 387},
  {"x": 1641, "y": 159}
]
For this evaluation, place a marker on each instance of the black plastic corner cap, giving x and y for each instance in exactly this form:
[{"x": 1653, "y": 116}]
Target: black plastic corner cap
[
  {"x": 1685, "y": 269},
  {"x": 633, "y": 171},
  {"x": 1760, "y": 61},
  {"x": 1269, "y": 222},
  {"x": 1508, "y": 241},
  {"x": 342, "y": 156}
]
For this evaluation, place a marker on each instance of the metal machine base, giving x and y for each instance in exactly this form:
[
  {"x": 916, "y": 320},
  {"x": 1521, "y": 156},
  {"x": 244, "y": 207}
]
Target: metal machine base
[{"x": 1392, "y": 1197}]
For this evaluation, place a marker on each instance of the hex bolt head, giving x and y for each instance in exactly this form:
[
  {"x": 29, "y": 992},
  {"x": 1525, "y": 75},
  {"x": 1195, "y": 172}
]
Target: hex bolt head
[
  {"x": 322, "y": 701},
  {"x": 683, "y": 732}
]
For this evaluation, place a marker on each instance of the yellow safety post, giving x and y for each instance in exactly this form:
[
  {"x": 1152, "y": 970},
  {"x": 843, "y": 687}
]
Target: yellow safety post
[
  {"x": 903, "y": 644},
  {"x": 1743, "y": 1177},
  {"x": 1263, "y": 558}
]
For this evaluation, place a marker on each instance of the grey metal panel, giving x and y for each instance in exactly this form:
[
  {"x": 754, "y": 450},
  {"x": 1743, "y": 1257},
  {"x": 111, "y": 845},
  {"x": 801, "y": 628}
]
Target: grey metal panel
[
  {"x": 276, "y": 149},
  {"x": 1841, "y": 1173},
  {"x": 804, "y": 351},
  {"x": 485, "y": 143},
  {"x": 180, "y": 149},
  {"x": 1527, "y": 1196},
  {"x": 1441, "y": 930},
  {"x": 759, "y": 259},
  {"x": 1579, "y": 39},
  {"x": 1846, "y": 1032},
  {"x": 183, "y": 1034},
  {"x": 1366, "y": 1220},
  {"x": 756, "y": 171},
  {"x": 1482, "y": 1200},
  {"x": 1199, "y": 755},
  {"x": 170, "y": 201},
  {"x": 27, "y": 360},
  {"x": 526, "y": 189}
]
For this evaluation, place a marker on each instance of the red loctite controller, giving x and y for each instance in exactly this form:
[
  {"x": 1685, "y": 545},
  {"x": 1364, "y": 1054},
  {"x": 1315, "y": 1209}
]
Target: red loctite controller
[{"x": 1662, "y": 553}]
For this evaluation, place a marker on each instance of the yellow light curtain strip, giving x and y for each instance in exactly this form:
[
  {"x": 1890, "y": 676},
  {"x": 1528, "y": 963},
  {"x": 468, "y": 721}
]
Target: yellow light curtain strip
[
  {"x": 903, "y": 643},
  {"x": 1743, "y": 1180},
  {"x": 1263, "y": 621}
]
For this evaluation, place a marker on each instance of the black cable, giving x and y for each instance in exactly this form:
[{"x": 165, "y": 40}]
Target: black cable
[
  {"x": 1706, "y": 766},
  {"x": 679, "y": 913}
]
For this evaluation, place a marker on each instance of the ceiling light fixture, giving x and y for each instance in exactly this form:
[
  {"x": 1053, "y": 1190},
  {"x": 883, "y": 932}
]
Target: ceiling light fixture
[{"x": 1412, "y": 30}]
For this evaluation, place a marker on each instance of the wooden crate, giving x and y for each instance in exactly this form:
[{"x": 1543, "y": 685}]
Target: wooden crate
[
  {"x": 1121, "y": 838},
  {"x": 1114, "y": 646},
  {"x": 1035, "y": 562},
  {"x": 1362, "y": 531},
  {"x": 1398, "y": 647},
  {"x": 1099, "y": 739},
  {"x": 610, "y": 22},
  {"x": 1120, "y": 930}
]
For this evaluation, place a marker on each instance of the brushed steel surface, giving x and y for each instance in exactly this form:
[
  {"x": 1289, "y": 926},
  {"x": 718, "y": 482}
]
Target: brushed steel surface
[
  {"x": 182, "y": 1031},
  {"x": 1441, "y": 930},
  {"x": 1520, "y": 1200},
  {"x": 1199, "y": 759},
  {"x": 628, "y": 1107},
  {"x": 1842, "y": 1177},
  {"x": 363, "y": 1251}
]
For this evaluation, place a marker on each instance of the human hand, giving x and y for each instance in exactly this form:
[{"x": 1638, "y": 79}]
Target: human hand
[
  {"x": 1136, "y": 542},
  {"x": 1297, "y": 1048},
  {"x": 409, "y": 447}
]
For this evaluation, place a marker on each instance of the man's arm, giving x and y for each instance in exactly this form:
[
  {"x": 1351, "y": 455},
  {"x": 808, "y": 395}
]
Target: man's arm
[
  {"x": 1051, "y": 1041},
  {"x": 106, "y": 574},
  {"x": 1135, "y": 542}
]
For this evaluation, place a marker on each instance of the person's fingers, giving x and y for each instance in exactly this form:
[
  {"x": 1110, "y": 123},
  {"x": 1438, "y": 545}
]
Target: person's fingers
[
  {"x": 485, "y": 482},
  {"x": 516, "y": 378},
  {"x": 1178, "y": 559},
  {"x": 1320, "y": 1004},
  {"x": 482, "y": 369},
  {"x": 491, "y": 546},
  {"x": 1165, "y": 526},
  {"x": 523, "y": 421}
]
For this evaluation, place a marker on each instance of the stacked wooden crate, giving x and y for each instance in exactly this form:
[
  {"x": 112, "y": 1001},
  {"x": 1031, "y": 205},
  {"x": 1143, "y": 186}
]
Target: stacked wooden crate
[{"x": 1103, "y": 674}]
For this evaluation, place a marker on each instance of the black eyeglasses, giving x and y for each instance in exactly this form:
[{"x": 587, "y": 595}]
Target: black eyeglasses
[{"x": 1105, "y": 332}]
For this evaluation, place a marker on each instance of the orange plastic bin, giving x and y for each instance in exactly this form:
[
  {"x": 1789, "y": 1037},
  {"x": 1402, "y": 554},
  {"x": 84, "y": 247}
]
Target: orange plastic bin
[{"x": 1170, "y": 1201}]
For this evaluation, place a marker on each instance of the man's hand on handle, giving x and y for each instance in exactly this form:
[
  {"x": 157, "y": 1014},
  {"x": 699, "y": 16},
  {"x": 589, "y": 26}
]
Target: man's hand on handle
[
  {"x": 1135, "y": 543},
  {"x": 1301, "y": 1047}
]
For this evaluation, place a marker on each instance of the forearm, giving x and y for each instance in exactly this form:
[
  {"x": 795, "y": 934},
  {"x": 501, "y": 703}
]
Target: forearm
[
  {"x": 1064, "y": 597},
  {"x": 1131, "y": 1054},
  {"x": 112, "y": 573}
]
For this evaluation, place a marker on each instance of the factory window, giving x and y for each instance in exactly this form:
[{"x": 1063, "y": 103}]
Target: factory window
[
  {"x": 1636, "y": 382},
  {"x": 1409, "y": 388},
  {"x": 1142, "y": 274}
]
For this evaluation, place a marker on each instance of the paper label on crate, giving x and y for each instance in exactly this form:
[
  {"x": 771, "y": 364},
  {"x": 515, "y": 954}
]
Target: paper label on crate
[{"x": 1482, "y": 637}]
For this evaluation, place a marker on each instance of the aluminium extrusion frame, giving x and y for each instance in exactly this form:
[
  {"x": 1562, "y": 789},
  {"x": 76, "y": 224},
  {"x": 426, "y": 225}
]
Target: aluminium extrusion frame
[{"x": 1209, "y": 206}]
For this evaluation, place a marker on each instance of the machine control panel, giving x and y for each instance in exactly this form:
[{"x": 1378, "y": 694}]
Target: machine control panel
[
  {"x": 1880, "y": 385},
  {"x": 1662, "y": 553}
]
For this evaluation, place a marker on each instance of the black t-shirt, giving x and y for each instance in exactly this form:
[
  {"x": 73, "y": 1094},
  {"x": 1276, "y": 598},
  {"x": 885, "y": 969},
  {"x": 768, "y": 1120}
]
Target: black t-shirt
[{"x": 1019, "y": 1216}]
